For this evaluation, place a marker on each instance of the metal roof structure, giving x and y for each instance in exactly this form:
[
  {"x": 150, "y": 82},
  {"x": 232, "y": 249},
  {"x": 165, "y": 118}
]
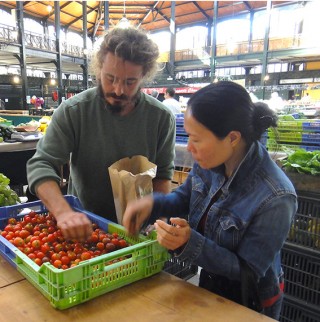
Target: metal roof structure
[{"x": 149, "y": 15}]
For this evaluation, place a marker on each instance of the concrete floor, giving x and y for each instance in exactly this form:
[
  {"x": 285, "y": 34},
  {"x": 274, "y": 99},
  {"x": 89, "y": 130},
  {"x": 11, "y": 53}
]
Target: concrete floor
[{"x": 195, "y": 279}]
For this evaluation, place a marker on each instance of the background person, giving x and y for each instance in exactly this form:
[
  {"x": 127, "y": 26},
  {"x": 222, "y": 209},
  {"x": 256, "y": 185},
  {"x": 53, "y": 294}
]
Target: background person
[
  {"x": 233, "y": 213},
  {"x": 154, "y": 93},
  {"x": 100, "y": 126},
  {"x": 170, "y": 102}
]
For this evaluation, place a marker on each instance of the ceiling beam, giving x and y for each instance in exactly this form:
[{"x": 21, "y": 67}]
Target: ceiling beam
[
  {"x": 195, "y": 3},
  {"x": 52, "y": 11},
  {"x": 99, "y": 17},
  {"x": 246, "y": 3},
  {"x": 148, "y": 13},
  {"x": 80, "y": 17},
  {"x": 162, "y": 14}
]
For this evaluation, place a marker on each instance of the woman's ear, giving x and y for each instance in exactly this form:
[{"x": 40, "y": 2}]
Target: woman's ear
[{"x": 235, "y": 137}]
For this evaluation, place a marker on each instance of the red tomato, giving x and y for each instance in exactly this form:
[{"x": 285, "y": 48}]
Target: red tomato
[
  {"x": 38, "y": 261},
  {"x": 122, "y": 243},
  {"x": 36, "y": 244},
  {"x": 58, "y": 248},
  {"x": 115, "y": 242},
  {"x": 18, "y": 242},
  {"x": 4, "y": 233},
  {"x": 100, "y": 246},
  {"x": 40, "y": 255},
  {"x": 10, "y": 235},
  {"x": 85, "y": 256},
  {"x": 55, "y": 256},
  {"x": 72, "y": 255},
  {"x": 45, "y": 248},
  {"x": 32, "y": 256},
  {"x": 24, "y": 233},
  {"x": 29, "y": 226},
  {"x": 57, "y": 263},
  {"x": 12, "y": 221},
  {"x": 51, "y": 238},
  {"x": 27, "y": 219},
  {"x": 94, "y": 238},
  {"x": 51, "y": 229},
  {"x": 8, "y": 228},
  {"x": 65, "y": 260}
]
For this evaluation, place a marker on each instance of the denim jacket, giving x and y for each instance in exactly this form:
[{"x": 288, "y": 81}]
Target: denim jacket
[{"x": 250, "y": 219}]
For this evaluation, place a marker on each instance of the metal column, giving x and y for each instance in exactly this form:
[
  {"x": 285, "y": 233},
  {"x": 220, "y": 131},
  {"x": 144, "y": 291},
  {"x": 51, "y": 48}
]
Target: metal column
[
  {"x": 265, "y": 49},
  {"x": 172, "y": 34},
  {"x": 58, "y": 48},
  {"x": 106, "y": 15},
  {"x": 22, "y": 56},
  {"x": 85, "y": 54},
  {"x": 214, "y": 41}
]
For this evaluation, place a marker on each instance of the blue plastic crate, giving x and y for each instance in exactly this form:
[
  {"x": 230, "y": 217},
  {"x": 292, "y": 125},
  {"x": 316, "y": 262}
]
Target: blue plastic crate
[
  {"x": 311, "y": 126},
  {"x": 181, "y": 131},
  {"x": 182, "y": 139}
]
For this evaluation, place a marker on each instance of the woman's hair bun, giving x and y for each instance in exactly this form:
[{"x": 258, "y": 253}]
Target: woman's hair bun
[{"x": 263, "y": 118}]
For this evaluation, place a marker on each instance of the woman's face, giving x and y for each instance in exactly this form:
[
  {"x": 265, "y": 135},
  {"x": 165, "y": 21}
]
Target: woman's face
[{"x": 207, "y": 149}]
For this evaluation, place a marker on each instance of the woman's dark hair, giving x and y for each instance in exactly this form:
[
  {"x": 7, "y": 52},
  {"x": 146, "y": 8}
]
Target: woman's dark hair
[
  {"x": 226, "y": 106},
  {"x": 132, "y": 45}
]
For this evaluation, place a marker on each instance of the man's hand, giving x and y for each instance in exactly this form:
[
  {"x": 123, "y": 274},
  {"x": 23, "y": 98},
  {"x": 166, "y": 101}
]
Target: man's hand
[{"x": 74, "y": 225}]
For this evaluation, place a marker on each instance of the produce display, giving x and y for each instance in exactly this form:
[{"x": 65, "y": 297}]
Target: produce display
[
  {"x": 8, "y": 196},
  {"x": 303, "y": 161},
  {"x": 5, "y": 132},
  {"x": 31, "y": 126},
  {"x": 38, "y": 237}
]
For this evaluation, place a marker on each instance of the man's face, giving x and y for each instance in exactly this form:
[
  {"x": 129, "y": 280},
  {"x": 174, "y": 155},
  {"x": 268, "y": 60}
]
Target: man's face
[{"x": 120, "y": 83}]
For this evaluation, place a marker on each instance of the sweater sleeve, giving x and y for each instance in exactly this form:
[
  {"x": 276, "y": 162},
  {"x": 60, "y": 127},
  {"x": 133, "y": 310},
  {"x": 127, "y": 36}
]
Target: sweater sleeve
[
  {"x": 53, "y": 150},
  {"x": 166, "y": 147}
]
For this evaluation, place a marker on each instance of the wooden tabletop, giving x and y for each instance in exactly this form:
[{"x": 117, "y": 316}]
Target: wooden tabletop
[{"x": 162, "y": 297}]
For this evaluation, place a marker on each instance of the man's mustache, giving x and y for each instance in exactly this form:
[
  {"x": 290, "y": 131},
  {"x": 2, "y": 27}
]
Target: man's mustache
[{"x": 115, "y": 96}]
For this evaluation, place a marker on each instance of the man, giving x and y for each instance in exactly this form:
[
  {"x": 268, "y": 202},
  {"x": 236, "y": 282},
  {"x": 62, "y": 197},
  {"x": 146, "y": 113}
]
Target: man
[
  {"x": 172, "y": 104},
  {"x": 154, "y": 93},
  {"x": 100, "y": 126}
]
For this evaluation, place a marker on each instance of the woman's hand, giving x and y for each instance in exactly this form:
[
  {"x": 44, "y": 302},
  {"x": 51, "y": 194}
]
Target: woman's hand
[
  {"x": 137, "y": 212},
  {"x": 173, "y": 236}
]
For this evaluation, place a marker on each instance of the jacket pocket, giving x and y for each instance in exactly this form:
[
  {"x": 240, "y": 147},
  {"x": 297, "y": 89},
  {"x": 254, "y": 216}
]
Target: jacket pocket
[
  {"x": 198, "y": 193},
  {"x": 229, "y": 230}
]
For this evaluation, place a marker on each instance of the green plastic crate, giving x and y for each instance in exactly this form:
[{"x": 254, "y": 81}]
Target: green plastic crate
[
  {"x": 6, "y": 123},
  {"x": 91, "y": 278}
]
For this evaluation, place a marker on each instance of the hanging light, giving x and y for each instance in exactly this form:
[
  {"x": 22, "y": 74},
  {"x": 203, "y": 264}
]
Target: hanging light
[
  {"x": 124, "y": 22},
  {"x": 16, "y": 79}
]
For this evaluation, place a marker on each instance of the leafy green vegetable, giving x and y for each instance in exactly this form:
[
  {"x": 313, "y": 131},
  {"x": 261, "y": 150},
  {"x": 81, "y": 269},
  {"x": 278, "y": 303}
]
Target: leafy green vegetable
[
  {"x": 303, "y": 161},
  {"x": 8, "y": 196}
]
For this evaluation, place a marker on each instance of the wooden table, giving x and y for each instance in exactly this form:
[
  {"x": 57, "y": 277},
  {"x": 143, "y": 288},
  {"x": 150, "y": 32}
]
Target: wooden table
[{"x": 162, "y": 297}]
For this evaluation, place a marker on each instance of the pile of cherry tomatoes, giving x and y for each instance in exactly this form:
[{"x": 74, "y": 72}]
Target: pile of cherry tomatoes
[{"x": 38, "y": 236}]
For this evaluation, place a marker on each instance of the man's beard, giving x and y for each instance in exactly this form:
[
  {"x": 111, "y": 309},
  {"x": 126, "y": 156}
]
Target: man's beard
[{"x": 117, "y": 109}]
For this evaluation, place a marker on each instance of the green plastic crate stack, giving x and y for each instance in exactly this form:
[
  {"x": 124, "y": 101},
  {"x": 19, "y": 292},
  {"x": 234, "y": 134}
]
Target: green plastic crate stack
[{"x": 294, "y": 135}]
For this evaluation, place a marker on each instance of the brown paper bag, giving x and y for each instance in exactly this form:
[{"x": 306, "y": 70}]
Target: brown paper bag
[{"x": 131, "y": 179}]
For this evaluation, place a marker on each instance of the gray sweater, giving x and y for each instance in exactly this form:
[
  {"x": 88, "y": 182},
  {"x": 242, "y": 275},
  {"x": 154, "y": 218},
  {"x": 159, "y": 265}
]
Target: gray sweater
[{"x": 85, "y": 132}]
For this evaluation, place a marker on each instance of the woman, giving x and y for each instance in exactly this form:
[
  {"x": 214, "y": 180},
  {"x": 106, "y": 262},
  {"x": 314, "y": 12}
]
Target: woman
[{"x": 232, "y": 214}]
